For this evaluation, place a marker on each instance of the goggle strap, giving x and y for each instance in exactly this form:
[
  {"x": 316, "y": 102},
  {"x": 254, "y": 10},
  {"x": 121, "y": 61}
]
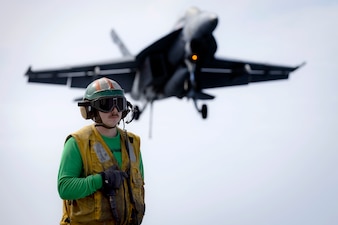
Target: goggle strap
[{"x": 86, "y": 103}]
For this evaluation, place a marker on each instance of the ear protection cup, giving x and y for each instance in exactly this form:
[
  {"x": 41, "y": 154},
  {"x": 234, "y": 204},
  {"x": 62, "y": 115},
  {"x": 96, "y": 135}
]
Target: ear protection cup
[
  {"x": 129, "y": 108},
  {"x": 84, "y": 113},
  {"x": 134, "y": 110},
  {"x": 87, "y": 112}
]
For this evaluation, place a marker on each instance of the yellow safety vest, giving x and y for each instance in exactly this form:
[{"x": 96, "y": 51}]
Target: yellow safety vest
[{"x": 97, "y": 157}]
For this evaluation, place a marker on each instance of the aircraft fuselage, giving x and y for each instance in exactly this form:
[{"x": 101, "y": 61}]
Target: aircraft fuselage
[{"x": 165, "y": 74}]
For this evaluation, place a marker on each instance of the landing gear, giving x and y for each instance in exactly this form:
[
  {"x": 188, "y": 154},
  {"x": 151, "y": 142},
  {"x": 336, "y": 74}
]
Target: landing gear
[
  {"x": 203, "y": 110},
  {"x": 136, "y": 112},
  {"x": 194, "y": 92}
]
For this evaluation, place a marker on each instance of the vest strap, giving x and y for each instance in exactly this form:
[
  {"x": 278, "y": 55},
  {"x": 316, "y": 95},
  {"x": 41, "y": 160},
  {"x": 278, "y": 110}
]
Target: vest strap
[
  {"x": 132, "y": 157},
  {"x": 130, "y": 149}
]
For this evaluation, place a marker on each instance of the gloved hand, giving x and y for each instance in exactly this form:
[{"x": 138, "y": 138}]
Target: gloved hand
[{"x": 112, "y": 178}]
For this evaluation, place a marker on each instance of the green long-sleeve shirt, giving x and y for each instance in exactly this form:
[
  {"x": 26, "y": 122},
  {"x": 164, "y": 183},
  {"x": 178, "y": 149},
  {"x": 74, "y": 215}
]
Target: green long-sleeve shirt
[{"x": 71, "y": 181}]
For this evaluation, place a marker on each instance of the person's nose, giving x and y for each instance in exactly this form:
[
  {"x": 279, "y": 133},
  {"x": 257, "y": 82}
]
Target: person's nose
[{"x": 115, "y": 110}]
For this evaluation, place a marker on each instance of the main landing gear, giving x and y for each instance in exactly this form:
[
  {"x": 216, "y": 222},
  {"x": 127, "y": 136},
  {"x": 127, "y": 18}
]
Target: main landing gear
[{"x": 203, "y": 110}]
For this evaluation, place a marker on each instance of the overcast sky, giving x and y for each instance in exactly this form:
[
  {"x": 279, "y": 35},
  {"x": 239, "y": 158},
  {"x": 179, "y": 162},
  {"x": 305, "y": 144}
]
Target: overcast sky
[{"x": 267, "y": 154}]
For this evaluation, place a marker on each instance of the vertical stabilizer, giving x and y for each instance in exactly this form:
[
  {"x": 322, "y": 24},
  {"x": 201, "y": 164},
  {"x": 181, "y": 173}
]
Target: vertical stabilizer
[{"x": 122, "y": 47}]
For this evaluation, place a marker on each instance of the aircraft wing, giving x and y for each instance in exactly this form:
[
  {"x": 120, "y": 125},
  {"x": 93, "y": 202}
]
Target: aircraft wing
[
  {"x": 80, "y": 76},
  {"x": 224, "y": 72}
]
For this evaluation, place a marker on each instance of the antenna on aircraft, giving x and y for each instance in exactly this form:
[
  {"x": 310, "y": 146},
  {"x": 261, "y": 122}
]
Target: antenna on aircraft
[{"x": 118, "y": 41}]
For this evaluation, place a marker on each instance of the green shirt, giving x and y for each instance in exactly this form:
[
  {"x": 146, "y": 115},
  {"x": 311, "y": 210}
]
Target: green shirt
[{"x": 71, "y": 181}]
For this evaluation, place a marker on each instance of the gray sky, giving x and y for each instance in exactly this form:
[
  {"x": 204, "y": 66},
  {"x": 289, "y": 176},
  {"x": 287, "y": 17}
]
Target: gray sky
[{"x": 266, "y": 155}]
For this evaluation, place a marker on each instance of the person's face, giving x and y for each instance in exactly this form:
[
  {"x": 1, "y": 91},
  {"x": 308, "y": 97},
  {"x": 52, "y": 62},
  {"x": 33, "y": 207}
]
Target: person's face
[{"x": 111, "y": 118}]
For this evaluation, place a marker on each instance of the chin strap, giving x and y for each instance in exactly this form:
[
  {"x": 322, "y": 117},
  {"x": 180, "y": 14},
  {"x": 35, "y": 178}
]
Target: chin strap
[{"x": 104, "y": 125}]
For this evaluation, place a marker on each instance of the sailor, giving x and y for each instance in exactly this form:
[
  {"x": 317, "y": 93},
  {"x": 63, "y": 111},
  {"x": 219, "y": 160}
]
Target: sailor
[{"x": 101, "y": 177}]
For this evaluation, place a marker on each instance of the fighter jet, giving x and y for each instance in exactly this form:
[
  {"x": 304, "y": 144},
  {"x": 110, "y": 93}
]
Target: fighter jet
[{"x": 181, "y": 64}]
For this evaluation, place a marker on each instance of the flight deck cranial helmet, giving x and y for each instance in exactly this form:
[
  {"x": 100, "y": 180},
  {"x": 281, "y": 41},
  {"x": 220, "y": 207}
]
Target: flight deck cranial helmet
[{"x": 103, "y": 95}]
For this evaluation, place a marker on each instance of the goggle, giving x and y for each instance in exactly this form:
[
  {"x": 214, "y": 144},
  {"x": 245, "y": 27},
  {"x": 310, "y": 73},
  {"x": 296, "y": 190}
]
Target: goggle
[{"x": 108, "y": 104}]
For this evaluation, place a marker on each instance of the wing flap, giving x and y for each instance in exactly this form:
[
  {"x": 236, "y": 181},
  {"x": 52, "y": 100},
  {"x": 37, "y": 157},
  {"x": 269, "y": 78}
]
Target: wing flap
[
  {"x": 80, "y": 76},
  {"x": 46, "y": 77},
  {"x": 51, "y": 80},
  {"x": 221, "y": 73}
]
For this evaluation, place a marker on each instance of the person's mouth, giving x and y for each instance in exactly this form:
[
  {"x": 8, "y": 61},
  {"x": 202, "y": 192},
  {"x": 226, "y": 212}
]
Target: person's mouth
[{"x": 114, "y": 115}]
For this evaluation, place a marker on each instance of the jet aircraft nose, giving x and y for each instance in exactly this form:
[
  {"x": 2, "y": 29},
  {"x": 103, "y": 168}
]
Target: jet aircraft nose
[
  {"x": 213, "y": 21},
  {"x": 200, "y": 25}
]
